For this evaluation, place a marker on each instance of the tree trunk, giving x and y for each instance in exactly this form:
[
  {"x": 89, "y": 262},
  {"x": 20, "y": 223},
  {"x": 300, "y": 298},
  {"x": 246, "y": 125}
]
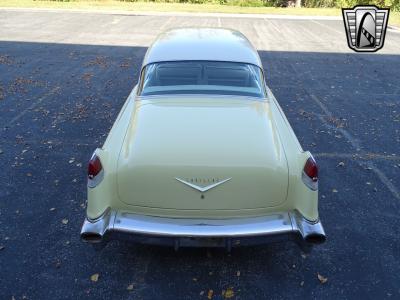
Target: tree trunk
[{"x": 298, "y": 3}]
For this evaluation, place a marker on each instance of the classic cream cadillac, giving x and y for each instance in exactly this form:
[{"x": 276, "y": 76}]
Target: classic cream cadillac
[{"x": 201, "y": 154}]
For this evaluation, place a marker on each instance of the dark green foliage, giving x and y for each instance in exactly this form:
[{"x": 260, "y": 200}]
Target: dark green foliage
[{"x": 393, "y": 4}]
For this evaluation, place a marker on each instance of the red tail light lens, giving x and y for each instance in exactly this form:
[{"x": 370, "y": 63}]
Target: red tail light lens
[
  {"x": 94, "y": 167},
  {"x": 310, "y": 174},
  {"x": 311, "y": 169}
]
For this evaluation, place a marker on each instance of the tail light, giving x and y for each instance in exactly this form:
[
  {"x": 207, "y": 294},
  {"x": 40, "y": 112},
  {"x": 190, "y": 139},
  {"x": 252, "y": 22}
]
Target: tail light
[
  {"x": 95, "y": 171},
  {"x": 310, "y": 174}
]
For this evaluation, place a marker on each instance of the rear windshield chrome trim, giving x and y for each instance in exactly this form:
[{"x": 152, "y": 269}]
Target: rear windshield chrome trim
[
  {"x": 185, "y": 96},
  {"x": 260, "y": 67}
]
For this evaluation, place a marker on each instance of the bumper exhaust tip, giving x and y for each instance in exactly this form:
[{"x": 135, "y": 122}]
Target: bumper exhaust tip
[
  {"x": 315, "y": 238},
  {"x": 93, "y": 230},
  {"x": 91, "y": 237},
  {"x": 312, "y": 233}
]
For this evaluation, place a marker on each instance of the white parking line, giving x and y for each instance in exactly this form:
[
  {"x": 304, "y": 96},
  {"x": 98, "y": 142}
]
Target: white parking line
[
  {"x": 33, "y": 105},
  {"x": 385, "y": 180},
  {"x": 357, "y": 146},
  {"x": 164, "y": 26},
  {"x": 355, "y": 156},
  {"x": 328, "y": 27}
]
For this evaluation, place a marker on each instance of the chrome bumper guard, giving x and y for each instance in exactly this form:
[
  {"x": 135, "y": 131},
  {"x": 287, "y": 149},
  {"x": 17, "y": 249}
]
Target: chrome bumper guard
[{"x": 179, "y": 232}]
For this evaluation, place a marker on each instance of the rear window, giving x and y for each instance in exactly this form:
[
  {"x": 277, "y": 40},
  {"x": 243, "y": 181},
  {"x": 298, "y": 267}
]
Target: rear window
[{"x": 202, "y": 77}]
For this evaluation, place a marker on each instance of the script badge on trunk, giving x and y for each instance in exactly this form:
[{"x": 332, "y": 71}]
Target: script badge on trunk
[
  {"x": 210, "y": 183},
  {"x": 365, "y": 27}
]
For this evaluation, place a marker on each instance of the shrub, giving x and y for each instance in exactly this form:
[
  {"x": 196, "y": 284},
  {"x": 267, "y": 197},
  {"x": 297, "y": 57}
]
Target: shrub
[{"x": 393, "y": 4}]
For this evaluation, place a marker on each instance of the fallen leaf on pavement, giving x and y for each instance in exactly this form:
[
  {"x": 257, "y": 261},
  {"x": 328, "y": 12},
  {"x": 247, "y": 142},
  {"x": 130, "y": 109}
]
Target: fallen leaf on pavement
[
  {"x": 334, "y": 190},
  {"x": 229, "y": 293},
  {"x": 52, "y": 209},
  {"x": 238, "y": 273},
  {"x": 65, "y": 221},
  {"x": 130, "y": 287},
  {"x": 322, "y": 279},
  {"x": 94, "y": 277},
  {"x": 341, "y": 164}
]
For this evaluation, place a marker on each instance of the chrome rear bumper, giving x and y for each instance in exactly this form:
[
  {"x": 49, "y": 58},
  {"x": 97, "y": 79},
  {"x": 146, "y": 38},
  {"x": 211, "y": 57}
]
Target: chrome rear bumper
[{"x": 179, "y": 232}]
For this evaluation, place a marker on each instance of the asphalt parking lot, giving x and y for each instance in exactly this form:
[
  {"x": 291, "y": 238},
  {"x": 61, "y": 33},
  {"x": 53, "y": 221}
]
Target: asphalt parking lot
[{"x": 63, "y": 78}]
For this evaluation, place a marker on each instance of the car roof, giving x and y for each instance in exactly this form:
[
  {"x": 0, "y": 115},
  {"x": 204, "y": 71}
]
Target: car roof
[{"x": 212, "y": 44}]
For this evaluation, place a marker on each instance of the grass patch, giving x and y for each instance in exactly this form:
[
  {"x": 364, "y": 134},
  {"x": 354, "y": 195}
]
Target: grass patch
[
  {"x": 169, "y": 7},
  {"x": 394, "y": 18}
]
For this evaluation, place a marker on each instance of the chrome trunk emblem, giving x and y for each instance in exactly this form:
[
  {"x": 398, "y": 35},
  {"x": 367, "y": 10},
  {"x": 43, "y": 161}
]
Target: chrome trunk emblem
[{"x": 203, "y": 188}]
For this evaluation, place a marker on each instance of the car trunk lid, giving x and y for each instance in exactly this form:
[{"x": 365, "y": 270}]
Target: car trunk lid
[{"x": 199, "y": 154}]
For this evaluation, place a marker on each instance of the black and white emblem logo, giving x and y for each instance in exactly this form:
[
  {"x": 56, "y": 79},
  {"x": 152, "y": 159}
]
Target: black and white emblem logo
[{"x": 365, "y": 27}]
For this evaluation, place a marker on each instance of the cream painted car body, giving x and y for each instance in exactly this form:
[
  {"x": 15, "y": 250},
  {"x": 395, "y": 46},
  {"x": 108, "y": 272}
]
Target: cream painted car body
[{"x": 159, "y": 141}]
